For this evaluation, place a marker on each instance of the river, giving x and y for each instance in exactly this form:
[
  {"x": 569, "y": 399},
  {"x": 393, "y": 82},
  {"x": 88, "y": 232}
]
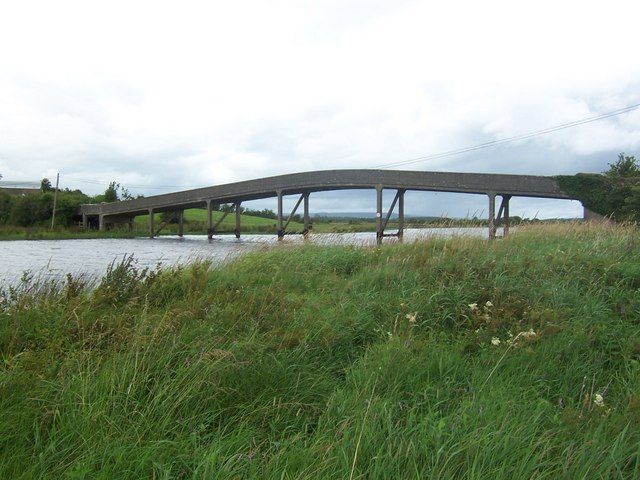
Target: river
[{"x": 90, "y": 258}]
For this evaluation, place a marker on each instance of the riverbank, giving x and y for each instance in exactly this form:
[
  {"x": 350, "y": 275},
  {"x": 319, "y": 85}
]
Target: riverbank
[
  {"x": 262, "y": 226},
  {"x": 448, "y": 358},
  {"x": 74, "y": 233}
]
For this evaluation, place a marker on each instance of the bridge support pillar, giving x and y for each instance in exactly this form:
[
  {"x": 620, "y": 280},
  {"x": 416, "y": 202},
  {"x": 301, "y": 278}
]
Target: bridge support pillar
[
  {"x": 502, "y": 219},
  {"x": 307, "y": 219},
  {"x": 85, "y": 221},
  {"x": 379, "y": 230},
  {"x": 150, "y": 222},
  {"x": 381, "y": 223},
  {"x": 181, "y": 223},
  {"x": 209, "y": 220},
  {"x": 238, "y": 218},
  {"x": 280, "y": 229},
  {"x": 507, "y": 220},
  {"x": 492, "y": 215},
  {"x": 101, "y": 222},
  {"x": 400, "y": 215}
]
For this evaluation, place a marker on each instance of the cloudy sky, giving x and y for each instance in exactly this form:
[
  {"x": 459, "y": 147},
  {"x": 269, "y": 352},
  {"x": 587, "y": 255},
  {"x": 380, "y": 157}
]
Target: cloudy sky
[{"x": 162, "y": 96}]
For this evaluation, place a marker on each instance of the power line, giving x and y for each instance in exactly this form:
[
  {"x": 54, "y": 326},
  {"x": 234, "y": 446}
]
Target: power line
[
  {"x": 424, "y": 158},
  {"x": 522, "y": 136}
]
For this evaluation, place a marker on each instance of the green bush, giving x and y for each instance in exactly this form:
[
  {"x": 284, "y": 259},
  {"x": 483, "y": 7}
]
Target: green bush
[
  {"x": 31, "y": 209},
  {"x": 613, "y": 193},
  {"x": 6, "y": 203}
]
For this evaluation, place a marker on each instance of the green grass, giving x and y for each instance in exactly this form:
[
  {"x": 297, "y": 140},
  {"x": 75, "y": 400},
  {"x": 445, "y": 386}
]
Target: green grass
[
  {"x": 196, "y": 220},
  {"x": 305, "y": 362},
  {"x": 8, "y": 232},
  {"x": 199, "y": 218}
]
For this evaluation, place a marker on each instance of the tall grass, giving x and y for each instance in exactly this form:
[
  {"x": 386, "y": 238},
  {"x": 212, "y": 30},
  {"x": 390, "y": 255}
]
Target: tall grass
[{"x": 336, "y": 362}]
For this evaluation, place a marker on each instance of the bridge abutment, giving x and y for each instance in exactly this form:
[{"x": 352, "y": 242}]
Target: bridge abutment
[{"x": 591, "y": 216}]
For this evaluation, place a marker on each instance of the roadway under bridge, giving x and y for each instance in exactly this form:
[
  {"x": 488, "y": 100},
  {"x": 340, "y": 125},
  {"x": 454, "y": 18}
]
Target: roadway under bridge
[{"x": 304, "y": 184}]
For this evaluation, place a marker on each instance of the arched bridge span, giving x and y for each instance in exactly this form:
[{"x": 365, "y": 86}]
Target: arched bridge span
[{"x": 303, "y": 184}]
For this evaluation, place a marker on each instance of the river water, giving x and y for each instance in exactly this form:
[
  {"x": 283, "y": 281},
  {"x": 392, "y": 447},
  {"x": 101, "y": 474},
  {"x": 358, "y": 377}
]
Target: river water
[{"x": 90, "y": 258}]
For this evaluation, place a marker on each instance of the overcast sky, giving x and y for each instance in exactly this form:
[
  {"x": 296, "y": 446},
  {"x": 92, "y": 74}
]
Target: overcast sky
[{"x": 163, "y": 95}]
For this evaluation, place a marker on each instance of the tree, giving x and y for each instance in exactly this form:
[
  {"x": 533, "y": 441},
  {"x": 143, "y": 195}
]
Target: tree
[
  {"x": 632, "y": 204},
  {"x": 625, "y": 167},
  {"x": 31, "y": 209},
  {"x": 6, "y": 203},
  {"x": 125, "y": 194},
  {"x": 111, "y": 193},
  {"x": 45, "y": 185}
]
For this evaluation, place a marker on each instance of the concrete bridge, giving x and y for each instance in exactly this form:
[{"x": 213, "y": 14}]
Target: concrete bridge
[{"x": 303, "y": 184}]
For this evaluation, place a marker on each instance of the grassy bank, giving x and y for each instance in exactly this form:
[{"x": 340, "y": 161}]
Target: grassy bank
[
  {"x": 458, "y": 358},
  {"x": 61, "y": 233}
]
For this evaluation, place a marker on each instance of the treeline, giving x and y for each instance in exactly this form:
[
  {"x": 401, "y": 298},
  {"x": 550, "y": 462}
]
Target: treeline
[{"x": 36, "y": 209}]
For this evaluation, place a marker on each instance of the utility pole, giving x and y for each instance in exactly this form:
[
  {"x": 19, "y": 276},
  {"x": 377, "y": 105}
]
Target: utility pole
[{"x": 55, "y": 201}]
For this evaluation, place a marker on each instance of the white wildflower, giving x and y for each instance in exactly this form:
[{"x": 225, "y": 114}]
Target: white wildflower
[
  {"x": 473, "y": 307},
  {"x": 488, "y": 304},
  {"x": 495, "y": 341},
  {"x": 411, "y": 317},
  {"x": 598, "y": 400}
]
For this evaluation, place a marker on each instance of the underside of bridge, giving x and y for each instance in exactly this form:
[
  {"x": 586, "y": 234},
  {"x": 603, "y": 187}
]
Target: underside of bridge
[
  {"x": 283, "y": 220},
  {"x": 304, "y": 184}
]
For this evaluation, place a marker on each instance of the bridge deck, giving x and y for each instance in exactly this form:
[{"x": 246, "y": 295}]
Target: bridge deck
[{"x": 298, "y": 183}]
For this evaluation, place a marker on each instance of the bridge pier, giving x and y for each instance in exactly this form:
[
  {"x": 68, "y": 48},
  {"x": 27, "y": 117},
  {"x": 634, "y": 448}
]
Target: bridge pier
[
  {"x": 492, "y": 215},
  {"x": 238, "y": 218},
  {"x": 400, "y": 215},
  {"x": 307, "y": 219},
  {"x": 381, "y": 224},
  {"x": 379, "y": 231},
  {"x": 282, "y": 224},
  {"x": 101, "y": 222},
  {"x": 181, "y": 223},
  {"x": 150, "y": 223},
  {"x": 503, "y": 215},
  {"x": 280, "y": 229},
  {"x": 209, "y": 220}
]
